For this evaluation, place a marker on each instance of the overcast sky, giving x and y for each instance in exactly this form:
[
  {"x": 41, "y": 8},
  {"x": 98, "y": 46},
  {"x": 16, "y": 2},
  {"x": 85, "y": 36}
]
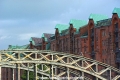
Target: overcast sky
[{"x": 22, "y": 19}]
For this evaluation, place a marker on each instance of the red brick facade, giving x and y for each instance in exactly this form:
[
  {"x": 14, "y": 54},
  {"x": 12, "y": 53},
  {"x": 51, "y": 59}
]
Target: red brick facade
[
  {"x": 97, "y": 40},
  {"x": 99, "y": 44},
  {"x": 102, "y": 42}
]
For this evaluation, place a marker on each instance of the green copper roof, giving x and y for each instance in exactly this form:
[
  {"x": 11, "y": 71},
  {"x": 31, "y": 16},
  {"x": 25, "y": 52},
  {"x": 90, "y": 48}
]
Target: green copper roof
[
  {"x": 97, "y": 17},
  {"x": 18, "y": 47},
  {"x": 48, "y": 46},
  {"x": 35, "y": 40},
  {"x": 77, "y": 23},
  {"x": 11, "y": 47},
  {"x": 32, "y": 41},
  {"x": 43, "y": 35},
  {"x": 61, "y": 27},
  {"x": 46, "y": 36},
  {"x": 117, "y": 10},
  {"x": 46, "y": 39}
]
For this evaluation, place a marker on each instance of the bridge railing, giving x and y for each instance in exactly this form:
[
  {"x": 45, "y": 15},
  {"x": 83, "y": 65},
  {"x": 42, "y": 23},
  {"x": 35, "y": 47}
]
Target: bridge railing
[{"x": 51, "y": 59}]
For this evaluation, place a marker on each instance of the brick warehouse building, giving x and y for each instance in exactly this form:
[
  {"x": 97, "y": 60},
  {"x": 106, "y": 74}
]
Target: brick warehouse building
[
  {"x": 42, "y": 43},
  {"x": 94, "y": 39},
  {"x": 8, "y": 73},
  {"x": 97, "y": 38}
]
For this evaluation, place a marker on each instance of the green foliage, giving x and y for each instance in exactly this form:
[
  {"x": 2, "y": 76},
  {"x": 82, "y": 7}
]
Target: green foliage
[
  {"x": 31, "y": 74},
  {"x": 24, "y": 76}
]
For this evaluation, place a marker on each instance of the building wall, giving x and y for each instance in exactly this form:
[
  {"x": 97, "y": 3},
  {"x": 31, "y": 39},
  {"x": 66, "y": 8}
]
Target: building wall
[
  {"x": 103, "y": 37},
  {"x": 53, "y": 45},
  {"x": 101, "y": 49},
  {"x": 7, "y": 74}
]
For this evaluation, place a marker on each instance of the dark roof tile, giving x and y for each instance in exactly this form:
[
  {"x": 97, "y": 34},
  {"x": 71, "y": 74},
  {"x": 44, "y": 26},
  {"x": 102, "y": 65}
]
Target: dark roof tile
[{"x": 37, "y": 40}]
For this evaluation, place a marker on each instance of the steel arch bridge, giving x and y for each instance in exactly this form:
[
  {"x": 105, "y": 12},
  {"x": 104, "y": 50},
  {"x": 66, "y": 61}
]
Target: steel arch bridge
[{"x": 50, "y": 62}]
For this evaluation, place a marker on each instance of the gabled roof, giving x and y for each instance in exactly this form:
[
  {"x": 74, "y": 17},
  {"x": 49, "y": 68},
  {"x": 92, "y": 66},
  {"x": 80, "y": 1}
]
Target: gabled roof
[
  {"x": 117, "y": 10},
  {"x": 77, "y": 23},
  {"x": 61, "y": 27},
  {"x": 18, "y": 47},
  {"x": 97, "y": 17},
  {"x": 35, "y": 40},
  {"x": 11, "y": 47},
  {"x": 47, "y": 36}
]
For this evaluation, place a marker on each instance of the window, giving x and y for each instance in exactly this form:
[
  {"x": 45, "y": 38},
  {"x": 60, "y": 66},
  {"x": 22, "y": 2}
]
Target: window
[
  {"x": 119, "y": 43},
  {"x": 77, "y": 45},
  {"x": 92, "y": 48},
  {"x": 92, "y": 30},
  {"x": 96, "y": 38},
  {"x": 116, "y": 35},
  {"x": 97, "y": 46},
  {"x": 103, "y": 60},
  {"x": 93, "y": 57},
  {"x": 103, "y": 33},
  {"x": 103, "y": 43},
  {"x": 53, "y": 47},
  {"x": 116, "y": 44},
  {"x": 119, "y": 34},
  {"x": 84, "y": 41},
  {"x": 103, "y": 51},
  {"x": 116, "y": 25},
  {"x": 118, "y": 65},
  {"x": 84, "y": 48},
  {"x": 92, "y": 38},
  {"x": 66, "y": 39},
  {"x": 66, "y": 48}
]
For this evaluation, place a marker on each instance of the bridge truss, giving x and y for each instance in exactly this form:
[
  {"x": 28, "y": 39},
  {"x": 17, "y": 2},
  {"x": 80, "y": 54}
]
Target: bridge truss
[{"x": 56, "y": 65}]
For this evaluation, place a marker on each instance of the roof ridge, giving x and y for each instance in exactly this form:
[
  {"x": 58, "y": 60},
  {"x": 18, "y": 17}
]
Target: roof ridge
[
  {"x": 116, "y": 10},
  {"x": 34, "y": 37},
  {"x": 62, "y": 24},
  {"x": 97, "y": 14},
  {"x": 61, "y": 27},
  {"x": 97, "y": 17},
  {"x": 47, "y": 33},
  {"x": 78, "y": 19}
]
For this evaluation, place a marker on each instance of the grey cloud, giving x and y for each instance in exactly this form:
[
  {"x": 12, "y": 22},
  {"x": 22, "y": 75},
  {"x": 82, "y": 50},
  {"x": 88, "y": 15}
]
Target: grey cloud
[
  {"x": 33, "y": 9},
  {"x": 34, "y": 17}
]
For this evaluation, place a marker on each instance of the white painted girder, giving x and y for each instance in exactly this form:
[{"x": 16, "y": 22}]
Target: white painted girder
[{"x": 57, "y": 59}]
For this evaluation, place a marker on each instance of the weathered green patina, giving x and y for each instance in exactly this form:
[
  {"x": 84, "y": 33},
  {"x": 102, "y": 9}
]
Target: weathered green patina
[
  {"x": 77, "y": 24},
  {"x": 18, "y": 47},
  {"x": 117, "y": 10},
  {"x": 97, "y": 17},
  {"x": 31, "y": 40},
  {"x": 61, "y": 27}
]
